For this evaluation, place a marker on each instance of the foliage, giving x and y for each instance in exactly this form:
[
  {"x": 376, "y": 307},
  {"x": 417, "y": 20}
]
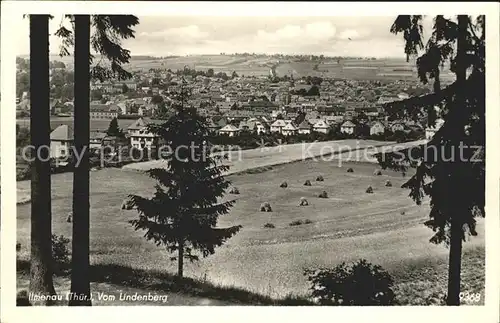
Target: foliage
[
  {"x": 358, "y": 284},
  {"x": 269, "y": 226},
  {"x": 464, "y": 125},
  {"x": 114, "y": 129},
  {"x": 60, "y": 252},
  {"x": 107, "y": 32},
  {"x": 182, "y": 215}
]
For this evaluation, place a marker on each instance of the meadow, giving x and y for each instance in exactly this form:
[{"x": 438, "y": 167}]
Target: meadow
[{"x": 385, "y": 228}]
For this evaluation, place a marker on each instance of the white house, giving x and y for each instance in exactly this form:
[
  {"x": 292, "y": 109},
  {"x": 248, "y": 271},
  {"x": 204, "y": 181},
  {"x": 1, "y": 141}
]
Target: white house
[
  {"x": 278, "y": 125},
  {"x": 304, "y": 128},
  {"x": 377, "y": 128},
  {"x": 430, "y": 131},
  {"x": 61, "y": 141},
  {"x": 348, "y": 127},
  {"x": 229, "y": 130},
  {"x": 321, "y": 126},
  {"x": 289, "y": 130},
  {"x": 139, "y": 135}
]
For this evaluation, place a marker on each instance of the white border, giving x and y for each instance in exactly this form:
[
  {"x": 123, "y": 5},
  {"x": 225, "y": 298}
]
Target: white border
[{"x": 11, "y": 11}]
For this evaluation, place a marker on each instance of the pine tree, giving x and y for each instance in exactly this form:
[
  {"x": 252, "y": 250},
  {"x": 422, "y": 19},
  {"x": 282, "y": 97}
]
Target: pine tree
[
  {"x": 114, "y": 129},
  {"x": 182, "y": 215},
  {"x": 456, "y": 187}
]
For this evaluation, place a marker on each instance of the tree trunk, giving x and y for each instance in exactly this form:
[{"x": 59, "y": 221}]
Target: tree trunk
[
  {"x": 455, "y": 261},
  {"x": 80, "y": 266},
  {"x": 180, "y": 269},
  {"x": 41, "y": 268}
]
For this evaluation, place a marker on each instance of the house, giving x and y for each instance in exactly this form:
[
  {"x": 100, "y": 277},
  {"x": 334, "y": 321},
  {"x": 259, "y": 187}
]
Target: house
[
  {"x": 104, "y": 111},
  {"x": 95, "y": 140},
  {"x": 430, "y": 131},
  {"x": 289, "y": 130},
  {"x": 140, "y": 136},
  {"x": 61, "y": 142},
  {"x": 304, "y": 128},
  {"x": 229, "y": 130},
  {"x": 348, "y": 127},
  {"x": 278, "y": 125},
  {"x": 321, "y": 126},
  {"x": 261, "y": 127},
  {"x": 397, "y": 126},
  {"x": 377, "y": 128}
]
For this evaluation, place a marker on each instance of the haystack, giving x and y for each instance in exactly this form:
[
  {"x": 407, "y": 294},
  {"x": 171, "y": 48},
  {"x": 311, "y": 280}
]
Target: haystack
[
  {"x": 369, "y": 190},
  {"x": 303, "y": 202},
  {"x": 307, "y": 183},
  {"x": 388, "y": 183},
  {"x": 284, "y": 185},
  {"x": 234, "y": 190},
  {"x": 377, "y": 172},
  {"x": 350, "y": 170},
  {"x": 266, "y": 207},
  {"x": 323, "y": 195},
  {"x": 319, "y": 178}
]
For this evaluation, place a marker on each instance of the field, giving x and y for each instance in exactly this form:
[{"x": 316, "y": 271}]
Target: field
[
  {"x": 360, "y": 69},
  {"x": 348, "y": 225}
]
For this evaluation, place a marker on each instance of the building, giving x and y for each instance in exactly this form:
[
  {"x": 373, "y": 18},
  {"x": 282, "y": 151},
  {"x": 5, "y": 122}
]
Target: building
[
  {"x": 377, "y": 128},
  {"x": 304, "y": 128},
  {"x": 140, "y": 136},
  {"x": 321, "y": 126},
  {"x": 348, "y": 127},
  {"x": 397, "y": 126},
  {"x": 261, "y": 127},
  {"x": 430, "y": 131},
  {"x": 61, "y": 142},
  {"x": 278, "y": 125},
  {"x": 229, "y": 130},
  {"x": 104, "y": 111},
  {"x": 289, "y": 130},
  {"x": 95, "y": 140}
]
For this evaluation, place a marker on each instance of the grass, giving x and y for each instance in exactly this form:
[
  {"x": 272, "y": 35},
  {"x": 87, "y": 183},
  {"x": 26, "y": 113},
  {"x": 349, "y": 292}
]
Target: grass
[
  {"x": 113, "y": 279},
  {"x": 347, "y": 226}
]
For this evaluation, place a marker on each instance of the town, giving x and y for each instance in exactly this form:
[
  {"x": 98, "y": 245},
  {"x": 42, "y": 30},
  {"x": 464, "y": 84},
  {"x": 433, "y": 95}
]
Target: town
[{"x": 239, "y": 109}]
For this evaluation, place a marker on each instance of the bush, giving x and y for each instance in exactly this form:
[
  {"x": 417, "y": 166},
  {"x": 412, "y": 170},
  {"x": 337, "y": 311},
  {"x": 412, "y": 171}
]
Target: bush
[
  {"x": 361, "y": 283},
  {"x": 60, "y": 252},
  {"x": 350, "y": 170},
  {"x": 269, "y": 225},
  {"x": 284, "y": 185},
  {"x": 320, "y": 178},
  {"x": 307, "y": 221},
  {"x": 307, "y": 183},
  {"x": 18, "y": 246},
  {"x": 323, "y": 195}
]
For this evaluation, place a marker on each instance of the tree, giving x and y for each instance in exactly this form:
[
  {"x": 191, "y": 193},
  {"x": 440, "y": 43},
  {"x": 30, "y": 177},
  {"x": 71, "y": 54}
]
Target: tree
[
  {"x": 124, "y": 88},
  {"x": 96, "y": 95},
  {"x": 313, "y": 91},
  {"x": 182, "y": 215},
  {"x": 456, "y": 189},
  {"x": 114, "y": 129},
  {"x": 156, "y": 99},
  {"x": 210, "y": 72},
  {"x": 41, "y": 262},
  {"x": 108, "y": 30},
  {"x": 234, "y": 75}
]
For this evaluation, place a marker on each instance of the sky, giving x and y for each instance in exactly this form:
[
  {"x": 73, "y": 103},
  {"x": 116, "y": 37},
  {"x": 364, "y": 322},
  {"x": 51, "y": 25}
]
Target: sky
[{"x": 191, "y": 35}]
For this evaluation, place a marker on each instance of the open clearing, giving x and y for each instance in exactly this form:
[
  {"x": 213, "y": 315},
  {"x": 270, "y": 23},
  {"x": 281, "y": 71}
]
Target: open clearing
[{"x": 348, "y": 225}]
